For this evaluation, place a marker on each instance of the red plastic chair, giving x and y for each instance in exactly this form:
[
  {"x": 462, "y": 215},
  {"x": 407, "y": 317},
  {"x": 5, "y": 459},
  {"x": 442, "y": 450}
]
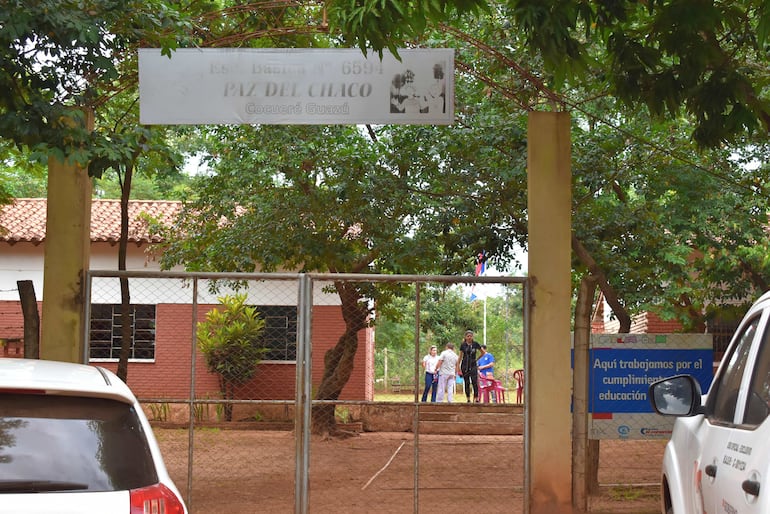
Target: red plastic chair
[
  {"x": 486, "y": 385},
  {"x": 499, "y": 391},
  {"x": 518, "y": 375},
  {"x": 489, "y": 385}
]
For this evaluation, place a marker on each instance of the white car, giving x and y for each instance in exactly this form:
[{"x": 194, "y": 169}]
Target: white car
[
  {"x": 73, "y": 439},
  {"x": 718, "y": 458}
]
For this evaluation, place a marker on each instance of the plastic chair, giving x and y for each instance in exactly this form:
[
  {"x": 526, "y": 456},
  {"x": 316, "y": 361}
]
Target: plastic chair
[
  {"x": 518, "y": 375},
  {"x": 499, "y": 391},
  {"x": 489, "y": 385},
  {"x": 486, "y": 385}
]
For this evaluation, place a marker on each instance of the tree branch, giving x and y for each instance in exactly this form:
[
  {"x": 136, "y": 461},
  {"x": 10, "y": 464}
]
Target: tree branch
[{"x": 601, "y": 279}]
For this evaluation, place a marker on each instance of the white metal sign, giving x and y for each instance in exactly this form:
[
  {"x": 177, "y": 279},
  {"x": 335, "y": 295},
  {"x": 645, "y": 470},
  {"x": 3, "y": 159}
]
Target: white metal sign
[{"x": 296, "y": 86}]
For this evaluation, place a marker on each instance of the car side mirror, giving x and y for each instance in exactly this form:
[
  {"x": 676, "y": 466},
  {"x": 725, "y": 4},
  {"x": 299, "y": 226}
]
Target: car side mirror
[{"x": 676, "y": 396}]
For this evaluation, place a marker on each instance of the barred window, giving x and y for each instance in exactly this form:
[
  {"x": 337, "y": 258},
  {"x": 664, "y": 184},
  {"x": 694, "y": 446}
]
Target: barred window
[
  {"x": 722, "y": 332},
  {"x": 280, "y": 334},
  {"x": 106, "y": 327}
]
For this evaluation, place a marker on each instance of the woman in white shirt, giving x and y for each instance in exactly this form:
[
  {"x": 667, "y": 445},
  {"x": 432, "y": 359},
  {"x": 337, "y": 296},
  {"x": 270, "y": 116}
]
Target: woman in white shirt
[{"x": 429, "y": 363}]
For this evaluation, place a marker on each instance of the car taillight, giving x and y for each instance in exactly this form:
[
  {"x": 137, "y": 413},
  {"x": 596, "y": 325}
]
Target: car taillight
[{"x": 156, "y": 499}]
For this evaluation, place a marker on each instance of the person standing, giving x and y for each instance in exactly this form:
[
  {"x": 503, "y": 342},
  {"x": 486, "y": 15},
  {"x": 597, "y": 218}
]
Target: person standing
[
  {"x": 486, "y": 363},
  {"x": 429, "y": 363},
  {"x": 447, "y": 369},
  {"x": 468, "y": 366}
]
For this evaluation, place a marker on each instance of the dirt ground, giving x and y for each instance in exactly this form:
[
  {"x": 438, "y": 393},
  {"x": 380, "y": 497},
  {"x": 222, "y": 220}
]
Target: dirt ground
[{"x": 251, "y": 471}]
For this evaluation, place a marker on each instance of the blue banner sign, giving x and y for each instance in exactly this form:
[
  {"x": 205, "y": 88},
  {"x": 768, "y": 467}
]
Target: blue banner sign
[
  {"x": 620, "y": 378},
  {"x": 621, "y": 369}
]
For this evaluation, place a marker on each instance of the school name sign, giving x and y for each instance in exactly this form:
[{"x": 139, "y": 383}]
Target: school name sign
[{"x": 296, "y": 86}]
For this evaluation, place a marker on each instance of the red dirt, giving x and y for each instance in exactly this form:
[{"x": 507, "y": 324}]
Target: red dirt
[{"x": 248, "y": 471}]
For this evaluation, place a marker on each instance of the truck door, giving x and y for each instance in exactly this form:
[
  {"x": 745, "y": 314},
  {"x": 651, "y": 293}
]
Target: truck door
[{"x": 724, "y": 414}]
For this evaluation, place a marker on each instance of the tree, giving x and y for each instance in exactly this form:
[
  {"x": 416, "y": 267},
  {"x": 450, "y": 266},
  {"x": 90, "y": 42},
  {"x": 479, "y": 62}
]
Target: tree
[
  {"x": 645, "y": 196},
  {"x": 425, "y": 199},
  {"x": 654, "y": 207},
  {"x": 702, "y": 57},
  {"x": 444, "y": 314},
  {"x": 122, "y": 149},
  {"x": 229, "y": 339},
  {"x": 61, "y": 60},
  {"x": 330, "y": 199},
  {"x": 57, "y": 56},
  {"x": 18, "y": 177}
]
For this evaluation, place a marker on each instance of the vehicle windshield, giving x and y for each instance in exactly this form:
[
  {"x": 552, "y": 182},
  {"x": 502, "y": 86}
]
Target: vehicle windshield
[{"x": 61, "y": 443}]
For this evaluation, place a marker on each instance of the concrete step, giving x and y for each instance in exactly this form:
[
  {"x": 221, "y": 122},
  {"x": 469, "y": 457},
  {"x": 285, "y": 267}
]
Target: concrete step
[
  {"x": 479, "y": 408},
  {"x": 471, "y": 418},
  {"x": 470, "y": 428}
]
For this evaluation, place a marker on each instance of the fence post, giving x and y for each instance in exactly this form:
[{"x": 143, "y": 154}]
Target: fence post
[
  {"x": 549, "y": 205},
  {"x": 582, "y": 335},
  {"x": 303, "y": 401},
  {"x": 31, "y": 319}
]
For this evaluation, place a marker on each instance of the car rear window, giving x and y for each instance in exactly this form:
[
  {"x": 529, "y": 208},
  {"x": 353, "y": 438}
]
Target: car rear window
[{"x": 71, "y": 443}]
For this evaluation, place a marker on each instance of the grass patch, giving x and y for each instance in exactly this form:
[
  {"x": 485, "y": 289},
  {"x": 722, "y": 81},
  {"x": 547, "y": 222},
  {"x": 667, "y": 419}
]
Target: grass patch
[
  {"x": 631, "y": 493},
  {"x": 395, "y": 397}
]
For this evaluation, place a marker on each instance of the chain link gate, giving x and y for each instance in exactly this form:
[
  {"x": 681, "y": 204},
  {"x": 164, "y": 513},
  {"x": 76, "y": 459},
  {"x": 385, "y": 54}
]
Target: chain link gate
[{"x": 241, "y": 438}]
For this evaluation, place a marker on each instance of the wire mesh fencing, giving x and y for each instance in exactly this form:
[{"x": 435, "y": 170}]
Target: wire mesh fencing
[{"x": 288, "y": 392}]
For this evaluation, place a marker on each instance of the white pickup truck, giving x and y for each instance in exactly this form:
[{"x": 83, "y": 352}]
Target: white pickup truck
[{"x": 718, "y": 458}]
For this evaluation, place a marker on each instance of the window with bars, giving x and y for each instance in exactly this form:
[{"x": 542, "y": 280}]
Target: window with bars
[
  {"x": 722, "y": 332},
  {"x": 280, "y": 334},
  {"x": 105, "y": 333}
]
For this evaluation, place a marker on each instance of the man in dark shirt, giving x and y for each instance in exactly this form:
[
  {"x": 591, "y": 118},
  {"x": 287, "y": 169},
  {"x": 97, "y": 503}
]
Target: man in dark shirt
[{"x": 468, "y": 367}]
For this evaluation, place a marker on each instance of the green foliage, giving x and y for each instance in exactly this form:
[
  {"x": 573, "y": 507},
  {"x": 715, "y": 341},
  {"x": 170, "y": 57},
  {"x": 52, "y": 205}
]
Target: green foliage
[
  {"x": 673, "y": 227},
  {"x": 384, "y": 24},
  {"x": 168, "y": 186},
  {"x": 59, "y": 55},
  {"x": 446, "y": 314},
  {"x": 682, "y": 55},
  {"x": 328, "y": 199},
  {"x": 19, "y": 178},
  {"x": 229, "y": 339},
  {"x": 160, "y": 411},
  {"x": 342, "y": 414},
  {"x": 655, "y": 207}
]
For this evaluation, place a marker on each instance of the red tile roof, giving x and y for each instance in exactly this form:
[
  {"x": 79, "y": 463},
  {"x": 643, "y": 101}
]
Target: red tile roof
[{"x": 24, "y": 220}]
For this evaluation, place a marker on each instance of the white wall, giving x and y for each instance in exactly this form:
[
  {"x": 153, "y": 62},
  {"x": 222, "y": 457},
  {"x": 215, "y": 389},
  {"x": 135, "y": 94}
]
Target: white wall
[{"x": 24, "y": 261}]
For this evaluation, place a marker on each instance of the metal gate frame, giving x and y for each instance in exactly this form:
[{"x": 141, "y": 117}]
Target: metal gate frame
[
  {"x": 303, "y": 398},
  {"x": 305, "y": 402}
]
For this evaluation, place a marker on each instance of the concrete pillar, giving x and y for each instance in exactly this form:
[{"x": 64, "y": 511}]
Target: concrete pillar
[
  {"x": 548, "y": 368},
  {"x": 67, "y": 251}
]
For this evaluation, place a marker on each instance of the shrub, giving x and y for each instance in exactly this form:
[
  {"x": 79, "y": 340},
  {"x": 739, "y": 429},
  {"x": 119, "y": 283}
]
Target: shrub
[{"x": 231, "y": 343}]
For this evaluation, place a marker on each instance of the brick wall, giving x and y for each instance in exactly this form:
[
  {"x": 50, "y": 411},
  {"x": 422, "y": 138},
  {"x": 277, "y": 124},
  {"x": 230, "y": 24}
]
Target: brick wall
[
  {"x": 169, "y": 375},
  {"x": 11, "y": 320},
  {"x": 644, "y": 323},
  {"x": 326, "y": 330},
  {"x": 654, "y": 325},
  {"x": 12, "y": 329}
]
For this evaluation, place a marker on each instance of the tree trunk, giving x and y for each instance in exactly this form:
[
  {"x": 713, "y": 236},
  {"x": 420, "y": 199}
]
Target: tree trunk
[
  {"x": 338, "y": 361},
  {"x": 585, "y": 476},
  {"x": 609, "y": 293},
  {"x": 125, "y": 328},
  {"x": 31, "y": 319},
  {"x": 125, "y": 294}
]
